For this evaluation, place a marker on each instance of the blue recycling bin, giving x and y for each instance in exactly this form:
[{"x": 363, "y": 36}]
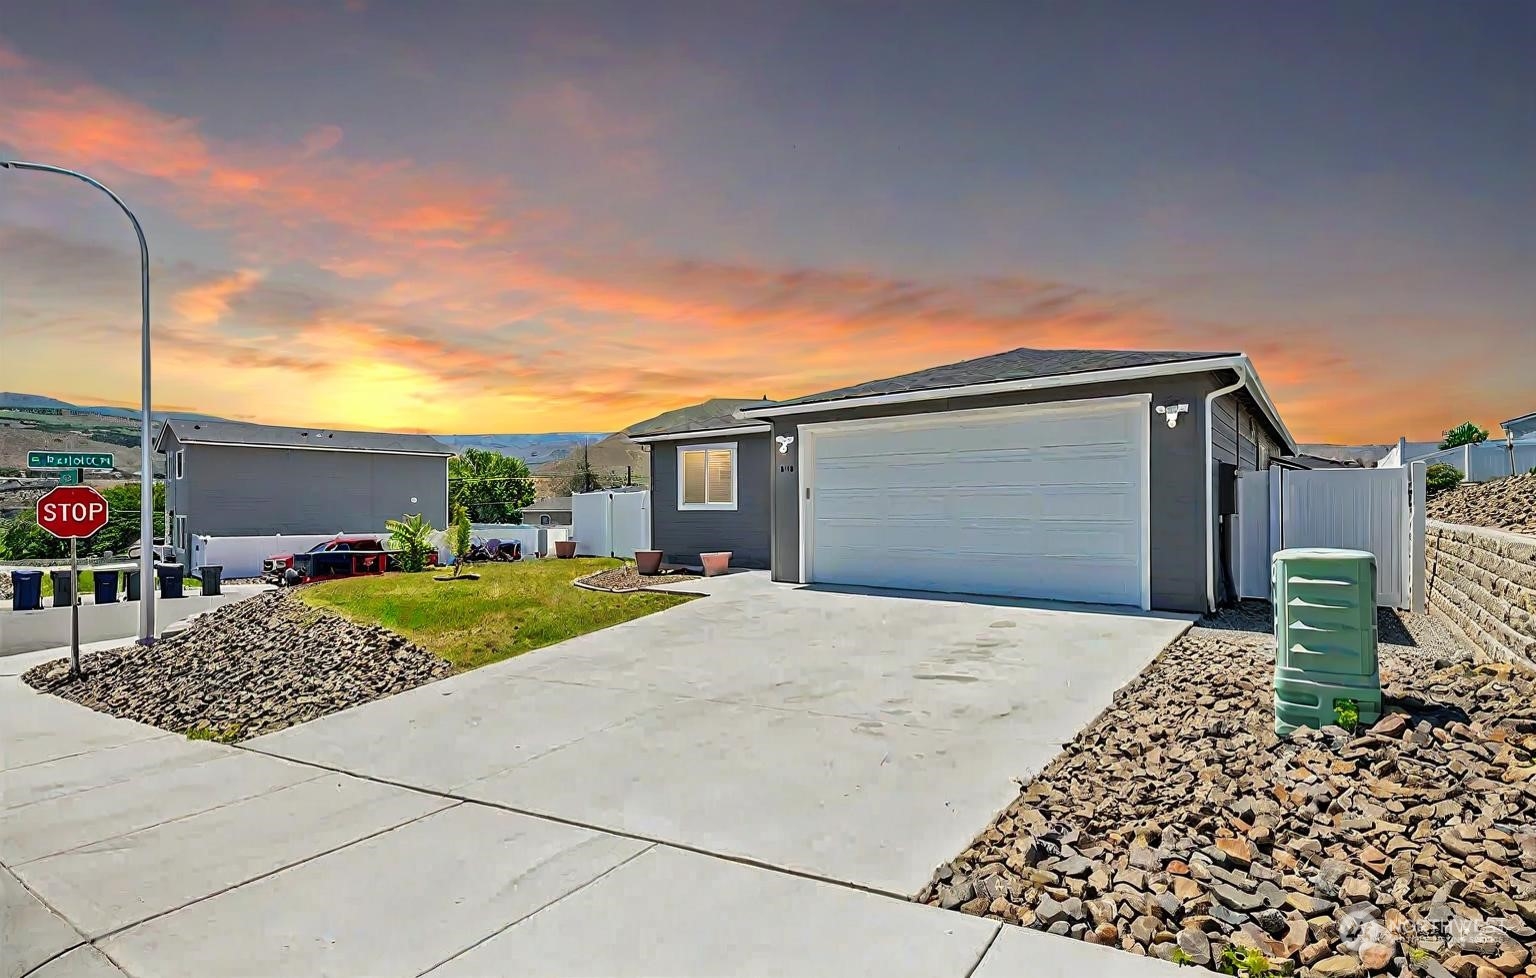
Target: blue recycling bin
[
  {"x": 105, "y": 586},
  {"x": 211, "y": 577},
  {"x": 26, "y": 590}
]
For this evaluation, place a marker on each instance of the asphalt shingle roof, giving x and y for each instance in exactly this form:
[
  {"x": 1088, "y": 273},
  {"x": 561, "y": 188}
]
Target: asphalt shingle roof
[
  {"x": 273, "y": 436},
  {"x": 711, "y": 415},
  {"x": 1021, "y": 364}
]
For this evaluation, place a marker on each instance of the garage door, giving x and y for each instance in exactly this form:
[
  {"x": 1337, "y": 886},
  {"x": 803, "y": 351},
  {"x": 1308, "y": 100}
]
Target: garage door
[{"x": 1044, "y": 502}]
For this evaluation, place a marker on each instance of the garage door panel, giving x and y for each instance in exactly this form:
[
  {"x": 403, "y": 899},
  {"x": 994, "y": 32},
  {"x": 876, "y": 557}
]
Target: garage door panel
[{"x": 1040, "y": 504}]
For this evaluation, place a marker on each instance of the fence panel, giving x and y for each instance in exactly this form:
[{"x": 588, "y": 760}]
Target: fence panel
[
  {"x": 1253, "y": 549},
  {"x": 1357, "y": 509}
]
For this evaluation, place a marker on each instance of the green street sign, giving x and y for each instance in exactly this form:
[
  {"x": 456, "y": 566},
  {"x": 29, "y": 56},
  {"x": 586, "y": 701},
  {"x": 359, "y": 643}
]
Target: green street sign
[
  {"x": 70, "y": 477},
  {"x": 69, "y": 460}
]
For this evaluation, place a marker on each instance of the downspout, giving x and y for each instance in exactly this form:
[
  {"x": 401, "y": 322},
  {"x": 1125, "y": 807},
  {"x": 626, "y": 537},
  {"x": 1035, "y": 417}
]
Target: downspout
[{"x": 1210, "y": 482}]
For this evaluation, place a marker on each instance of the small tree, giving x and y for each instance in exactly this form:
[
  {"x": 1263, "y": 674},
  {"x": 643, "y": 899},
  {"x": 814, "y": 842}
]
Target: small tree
[
  {"x": 1465, "y": 433},
  {"x": 1440, "y": 477},
  {"x": 582, "y": 478},
  {"x": 459, "y": 539},
  {"x": 411, "y": 537}
]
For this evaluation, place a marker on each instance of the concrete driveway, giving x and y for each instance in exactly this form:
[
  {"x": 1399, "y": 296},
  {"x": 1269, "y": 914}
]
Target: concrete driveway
[
  {"x": 855, "y": 737},
  {"x": 679, "y": 795}
]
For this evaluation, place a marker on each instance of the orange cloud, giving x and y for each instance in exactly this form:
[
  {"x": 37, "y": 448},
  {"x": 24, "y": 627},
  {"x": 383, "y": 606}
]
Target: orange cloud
[{"x": 202, "y": 305}]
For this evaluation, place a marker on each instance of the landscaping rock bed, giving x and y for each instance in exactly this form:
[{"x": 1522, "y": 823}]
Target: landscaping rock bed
[
  {"x": 1178, "y": 825},
  {"x": 626, "y": 578},
  {"x": 246, "y": 669},
  {"x": 1504, "y": 504}
]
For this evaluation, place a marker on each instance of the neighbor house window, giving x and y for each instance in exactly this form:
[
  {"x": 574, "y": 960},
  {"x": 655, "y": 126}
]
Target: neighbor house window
[
  {"x": 706, "y": 477},
  {"x": 181, "y": 464},
  {"x": 543, "y": 520}
]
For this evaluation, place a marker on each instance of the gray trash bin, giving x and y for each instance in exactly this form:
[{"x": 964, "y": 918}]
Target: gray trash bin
[
  {"x": 131, "y": 585},
  {"x": 212, "y": 577},
  {"x": 105, "y": 586},
  {"x": 63, "y": 588},
  {"x": 26, "y": 590},
  {"x": 171, "y": 577}
]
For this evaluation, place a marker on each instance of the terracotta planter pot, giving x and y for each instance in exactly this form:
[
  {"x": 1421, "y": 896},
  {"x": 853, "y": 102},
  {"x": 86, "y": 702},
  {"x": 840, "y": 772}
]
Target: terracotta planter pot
[
  {"x": 647, "y": 562},
  {"x": 715, "y": 564},
  {"x": 565, "y": 549}
]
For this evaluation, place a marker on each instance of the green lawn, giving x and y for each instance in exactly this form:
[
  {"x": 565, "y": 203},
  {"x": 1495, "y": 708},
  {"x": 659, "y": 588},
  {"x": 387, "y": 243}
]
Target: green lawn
[{"x": 511, "y": 609}]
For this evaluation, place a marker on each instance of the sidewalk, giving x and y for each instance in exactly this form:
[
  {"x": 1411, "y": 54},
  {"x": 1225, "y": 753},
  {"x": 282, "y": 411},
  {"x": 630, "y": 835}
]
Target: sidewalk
[{"x": 136, "y": 849}]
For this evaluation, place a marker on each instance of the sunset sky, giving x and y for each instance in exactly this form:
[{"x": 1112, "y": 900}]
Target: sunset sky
[{"x": 519, "y": 217}]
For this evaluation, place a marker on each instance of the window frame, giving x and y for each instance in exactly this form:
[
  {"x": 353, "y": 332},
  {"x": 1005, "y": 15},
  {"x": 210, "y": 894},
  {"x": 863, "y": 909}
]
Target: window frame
[
  {"x": 181, "y": 463},
  {"x": 728, "y": 446}
]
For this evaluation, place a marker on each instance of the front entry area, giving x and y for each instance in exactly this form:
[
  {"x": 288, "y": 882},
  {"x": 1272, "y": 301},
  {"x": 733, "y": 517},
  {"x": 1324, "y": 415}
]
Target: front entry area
[{"x": 1041, "y": 501}]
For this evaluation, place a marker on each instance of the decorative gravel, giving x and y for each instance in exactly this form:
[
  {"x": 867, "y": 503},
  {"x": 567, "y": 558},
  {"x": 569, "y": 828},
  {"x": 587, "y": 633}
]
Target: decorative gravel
[
  {"x": 1504, "y": 504},
  {"x": 626, "y": 578},
  {"x": 1179, "y": 825},
  {"x": 246, "y": 669}
]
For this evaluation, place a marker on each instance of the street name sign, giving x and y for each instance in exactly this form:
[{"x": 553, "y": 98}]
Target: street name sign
[
  {"x": 69, "y": 460},
  {"x": 71, "y": 512}
]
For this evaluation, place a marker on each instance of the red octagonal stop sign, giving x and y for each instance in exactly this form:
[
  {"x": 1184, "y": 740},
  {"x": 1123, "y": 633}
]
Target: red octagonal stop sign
[{"x": 72, "y": 512}]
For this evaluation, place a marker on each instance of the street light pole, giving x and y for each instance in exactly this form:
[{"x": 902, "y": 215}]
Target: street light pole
[{"x": 146, "y": 454}]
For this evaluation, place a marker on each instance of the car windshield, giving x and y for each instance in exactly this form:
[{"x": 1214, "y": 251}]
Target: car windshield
[{"x": 327, "y": 545}]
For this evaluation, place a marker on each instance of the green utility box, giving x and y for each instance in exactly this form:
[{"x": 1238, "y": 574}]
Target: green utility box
[{"x": 1325, "y": 636}]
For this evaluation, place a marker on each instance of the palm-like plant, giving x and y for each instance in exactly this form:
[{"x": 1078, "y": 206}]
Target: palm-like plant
[
  {"x": 459, "y": 539},
  {"x": 411, "y": 537}
]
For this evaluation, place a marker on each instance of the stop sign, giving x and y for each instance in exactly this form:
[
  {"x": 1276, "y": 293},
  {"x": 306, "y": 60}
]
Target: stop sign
[{"x": 72, "y": 512}]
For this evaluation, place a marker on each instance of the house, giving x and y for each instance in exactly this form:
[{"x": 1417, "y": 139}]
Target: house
[
  {"x": 710, "y": 482},
  {"x": 555, "y": 511},
  {"x": 225, "y": 478},
  {"x": 1523, "y": 427},
  {"x": 1082, "y": 475}
]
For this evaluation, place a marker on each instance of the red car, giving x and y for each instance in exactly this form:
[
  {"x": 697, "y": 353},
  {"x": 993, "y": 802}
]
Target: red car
[{"x": 341, "y": 557}]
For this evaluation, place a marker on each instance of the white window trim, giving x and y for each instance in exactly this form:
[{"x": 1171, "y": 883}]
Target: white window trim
[
  {"x": 729, "y": 446},
  {"x": 181, "y": 463}
]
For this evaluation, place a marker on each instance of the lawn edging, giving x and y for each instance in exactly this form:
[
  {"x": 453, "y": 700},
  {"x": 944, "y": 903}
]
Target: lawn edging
[{"x": 583, "y": 583}]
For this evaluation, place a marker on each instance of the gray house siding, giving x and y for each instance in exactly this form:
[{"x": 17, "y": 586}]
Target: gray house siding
[
  {"x": 681, "y": 535},
  {"x": 1178, "y": 476},
  {"x": 239, "y": 491},
  {"x": 1239, "y": 435}
]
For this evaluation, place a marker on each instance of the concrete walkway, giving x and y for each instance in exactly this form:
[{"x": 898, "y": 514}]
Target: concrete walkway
[{"x": 131, "y": 851}]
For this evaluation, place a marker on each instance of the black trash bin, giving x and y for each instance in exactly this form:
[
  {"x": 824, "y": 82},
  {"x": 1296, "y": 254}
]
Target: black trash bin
[
  {"x": 130, "y": 585},
  {"x": 63, "y": 588},
  {"x": 105, "y": 586},
  {"x": 171, "y": 576},
  {"x": 26, "y": 590},
  {"x": 212, "y": 577}
]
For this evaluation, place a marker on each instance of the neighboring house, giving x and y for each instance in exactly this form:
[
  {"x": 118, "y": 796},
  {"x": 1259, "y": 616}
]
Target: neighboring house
[
  {"x": 549, "y": 512},
  {"x": 1523, "y": 427},
  {"x": 710, "y": 479},
  {"x": 224, "y": 478},
  {"x": 1033, "y": 473}
]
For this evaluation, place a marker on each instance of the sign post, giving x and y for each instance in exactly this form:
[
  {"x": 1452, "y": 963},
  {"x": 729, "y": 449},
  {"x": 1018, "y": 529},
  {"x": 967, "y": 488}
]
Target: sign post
[{"x": 73, "y": 513}]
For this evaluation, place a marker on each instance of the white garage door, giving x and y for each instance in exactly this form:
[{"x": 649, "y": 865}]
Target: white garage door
[{"x": 1043, "y": 502}]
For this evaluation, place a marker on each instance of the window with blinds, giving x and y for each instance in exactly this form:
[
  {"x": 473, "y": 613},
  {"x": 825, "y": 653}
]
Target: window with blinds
[{"x": 706, "y": 476}]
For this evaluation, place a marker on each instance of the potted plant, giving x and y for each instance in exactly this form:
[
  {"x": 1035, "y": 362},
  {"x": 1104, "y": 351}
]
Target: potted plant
[
  {"x": 647, "y": 562},
  {"x": 565, "y": 549},
  {"x": 716, "y": 563}
]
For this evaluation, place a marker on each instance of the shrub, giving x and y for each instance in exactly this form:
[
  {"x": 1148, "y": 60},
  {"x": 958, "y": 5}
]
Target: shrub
[
  {"x": 1465, "y": 433},
  {"x": 458, "y": 539},
  {"x": 1440, "y": 477},
  {"x": 412, "y": 538}
]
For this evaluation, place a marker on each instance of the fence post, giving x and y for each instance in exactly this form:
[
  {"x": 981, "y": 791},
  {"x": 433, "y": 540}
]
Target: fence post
[{"x": 1416, "y": 554}]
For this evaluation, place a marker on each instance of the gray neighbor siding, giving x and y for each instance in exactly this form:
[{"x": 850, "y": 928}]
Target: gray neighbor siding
[
  {"x": 681, "y": 535},
  {"x": 231, "y": 490},
  {"x": 1177, "y": 470}
]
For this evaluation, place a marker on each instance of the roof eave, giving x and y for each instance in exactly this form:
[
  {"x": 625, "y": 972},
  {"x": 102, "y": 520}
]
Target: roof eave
[
  {"x": 747, "y": 428},
  {"x": 1239, "y": 363}
]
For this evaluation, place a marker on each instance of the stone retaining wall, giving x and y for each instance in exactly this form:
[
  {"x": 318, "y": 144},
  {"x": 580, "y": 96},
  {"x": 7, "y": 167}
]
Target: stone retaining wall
[{"x": 1483, "y": 582}]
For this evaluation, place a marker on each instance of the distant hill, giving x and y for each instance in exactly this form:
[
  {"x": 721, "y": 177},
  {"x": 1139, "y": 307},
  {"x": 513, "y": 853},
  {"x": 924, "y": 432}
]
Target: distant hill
[
  {"x": 14, "y": 400},
  {"x": 535, "y": 450},
  {"x": 618, "y": 455}
]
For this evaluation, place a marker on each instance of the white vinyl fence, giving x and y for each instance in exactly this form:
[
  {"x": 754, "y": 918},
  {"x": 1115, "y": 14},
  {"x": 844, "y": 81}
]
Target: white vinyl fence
[
  {"x": 1355, "y": 509},
  {"x": 1482, "y": 462},
  {"x": 242, "y": 556},
  {"x": 535, "y": 540},
  {"x": 611, "y": 522}
]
